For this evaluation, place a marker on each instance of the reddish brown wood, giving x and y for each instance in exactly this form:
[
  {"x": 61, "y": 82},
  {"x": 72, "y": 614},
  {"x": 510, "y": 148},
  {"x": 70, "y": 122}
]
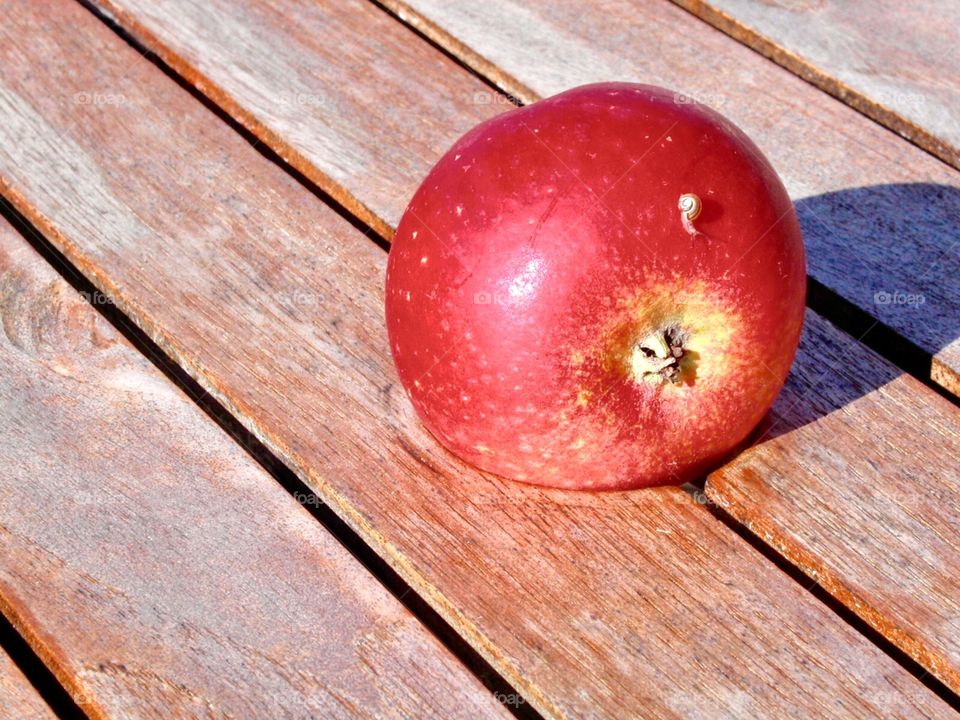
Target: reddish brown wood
[
  {"x": 879, "y": 215},
  {"x": 606, "y": 605},
  {"x": 530, "y": 44},
  {"x": 871, "y": 512},
  {"x": 155, "y": 567},
  {"x": 18, "y": 698},
  {"x": 895, "y": 62},
  {"x": 326, "y": 85}
]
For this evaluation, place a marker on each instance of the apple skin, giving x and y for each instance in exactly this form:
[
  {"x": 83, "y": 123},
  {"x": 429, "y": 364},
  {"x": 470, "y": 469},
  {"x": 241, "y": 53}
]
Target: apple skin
[{"x": 543, "y": 274}]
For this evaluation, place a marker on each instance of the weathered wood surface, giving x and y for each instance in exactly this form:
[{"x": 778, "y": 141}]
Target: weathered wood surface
[
  {"x": 879, "y": 216},
  {"x": 18, "y": 698},
  {"x": 155, "y": 568},
  {"x": 184, "y": 48},
  {"x": 896, "y": 62},
  {"x": 355, "y": 102},
  {"x": 593, "y": 605},
  {"x": 872, "y": 511}
]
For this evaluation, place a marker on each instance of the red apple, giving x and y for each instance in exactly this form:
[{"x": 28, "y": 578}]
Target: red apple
[{"x": 602, "y": 290}]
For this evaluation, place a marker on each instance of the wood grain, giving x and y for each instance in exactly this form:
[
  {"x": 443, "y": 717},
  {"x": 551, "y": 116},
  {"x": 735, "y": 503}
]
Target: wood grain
[
  {"x": 879, "y": 216},
  {"x": 155, "y": 568},
  {"x": 326, "y": 85},
  {"x": 871, "y": 512},
  {"x": 593, "y": 605},
  {"x": 18, "y": 698},
  {"x": 895, "y": 62}
]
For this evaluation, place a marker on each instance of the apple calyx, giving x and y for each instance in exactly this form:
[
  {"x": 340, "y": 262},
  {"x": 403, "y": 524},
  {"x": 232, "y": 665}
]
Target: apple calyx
[
  {"x": 690, "y": 206},
  {"x": 656, "y": 358}
]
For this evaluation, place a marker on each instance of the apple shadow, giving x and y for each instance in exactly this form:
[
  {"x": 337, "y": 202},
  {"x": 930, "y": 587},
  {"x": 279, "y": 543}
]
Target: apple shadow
[{"x": 883, "y": 263}]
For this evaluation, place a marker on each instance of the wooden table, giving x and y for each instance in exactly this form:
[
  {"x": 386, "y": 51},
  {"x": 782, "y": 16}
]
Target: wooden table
[{"x": 215, "y": 500}]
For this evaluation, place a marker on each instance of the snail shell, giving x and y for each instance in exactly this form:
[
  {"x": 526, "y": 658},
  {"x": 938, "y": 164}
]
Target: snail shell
[{"x": 690, "y": 206}]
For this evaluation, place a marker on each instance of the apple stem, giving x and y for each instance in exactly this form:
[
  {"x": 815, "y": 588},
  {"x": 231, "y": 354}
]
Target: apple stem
[{"x": 656, "y": 358}]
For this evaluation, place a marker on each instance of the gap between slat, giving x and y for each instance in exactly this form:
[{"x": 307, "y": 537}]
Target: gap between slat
[{"x": 40, "y": 677}]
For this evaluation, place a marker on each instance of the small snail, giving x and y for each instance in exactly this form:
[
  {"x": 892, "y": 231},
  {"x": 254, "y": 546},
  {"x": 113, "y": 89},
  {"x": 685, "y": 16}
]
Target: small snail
[{"x": 690, "y": 207}]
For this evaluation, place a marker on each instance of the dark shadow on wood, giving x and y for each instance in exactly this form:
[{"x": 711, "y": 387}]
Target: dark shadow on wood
[
  {"x": 921, "y": 223},
  {"x": 886, "y": 263}
]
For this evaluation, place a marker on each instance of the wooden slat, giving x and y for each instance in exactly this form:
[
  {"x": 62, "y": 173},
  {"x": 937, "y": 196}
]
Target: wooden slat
[
  {"x": 606, "y": 605},
  {"x": 879, "y": 215},
  {"x": 872, "y": 512},
  {"x": 896, "y": 62},
  {"x": 18, "y": 698},
  {"x": 155, "y": 567},
  {"x": 350, "y": 121}
]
